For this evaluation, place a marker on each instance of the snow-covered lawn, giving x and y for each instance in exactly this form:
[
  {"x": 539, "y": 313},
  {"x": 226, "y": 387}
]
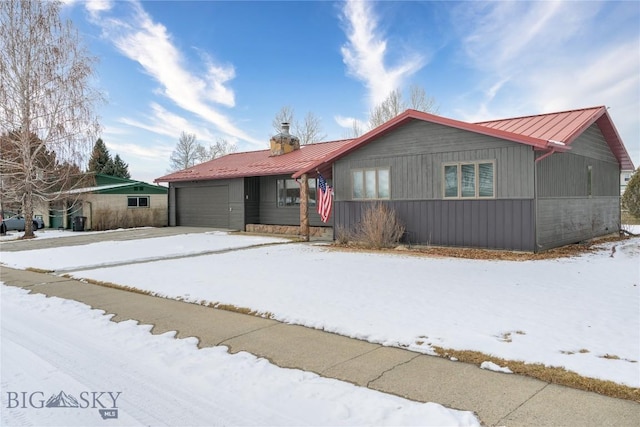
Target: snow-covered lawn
[
  {"x": 580, "y": 313},
  {"x": 51, "y": 233},
  {"x": 121, "y": 372},
  {"x": 104, "y": 253}
]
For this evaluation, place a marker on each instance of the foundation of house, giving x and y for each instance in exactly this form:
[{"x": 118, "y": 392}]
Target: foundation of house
[{"x": 324, "y": 233}]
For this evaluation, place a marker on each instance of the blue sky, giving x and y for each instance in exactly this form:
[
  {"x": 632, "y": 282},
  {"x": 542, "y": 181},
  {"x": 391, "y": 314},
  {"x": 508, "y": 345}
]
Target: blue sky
[{"x": 224, "y": 69}]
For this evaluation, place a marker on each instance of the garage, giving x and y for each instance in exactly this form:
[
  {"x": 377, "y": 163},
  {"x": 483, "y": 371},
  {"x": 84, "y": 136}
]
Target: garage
[{"x": 203, "y": 206}]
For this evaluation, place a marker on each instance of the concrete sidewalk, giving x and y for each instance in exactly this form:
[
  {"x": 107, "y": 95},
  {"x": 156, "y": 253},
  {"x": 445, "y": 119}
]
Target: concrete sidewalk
[{"x": 497, "y": 399}]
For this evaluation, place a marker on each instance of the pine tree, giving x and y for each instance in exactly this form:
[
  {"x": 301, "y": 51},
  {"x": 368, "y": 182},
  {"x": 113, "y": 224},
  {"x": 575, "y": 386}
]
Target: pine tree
[
  {"x": 109, "y": 168},
  {"x": 121, "y": 169},
  {"x": 100, "y": 159}
]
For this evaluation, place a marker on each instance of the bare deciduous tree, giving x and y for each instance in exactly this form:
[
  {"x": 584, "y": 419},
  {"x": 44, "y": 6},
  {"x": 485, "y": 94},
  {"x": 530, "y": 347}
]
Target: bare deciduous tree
[
  {"x": 308, "y": 131},
  {"x": 418, "y": 100},
  {"x": 46, "y": 104},
  {"x": 285, "y": 115},
  {"x": 190, "y": 152},
  {"x": 220, "y": 148},
  {"x": 394, "y": 104},
  {"x": 187, "y": 152},
  {"x": 355, "y": 130}
]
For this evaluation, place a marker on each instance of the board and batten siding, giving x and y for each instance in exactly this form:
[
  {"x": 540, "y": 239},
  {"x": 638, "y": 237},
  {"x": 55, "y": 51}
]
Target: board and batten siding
[
  {"x": 566, "y": 212},
  {"x": 234, "y": 202},
  {"x": 416, "y": 152},
  {"x": 415, "y": 155},
  {"x": 494, "y": 224},
  {"x": 272, "y": 214}
]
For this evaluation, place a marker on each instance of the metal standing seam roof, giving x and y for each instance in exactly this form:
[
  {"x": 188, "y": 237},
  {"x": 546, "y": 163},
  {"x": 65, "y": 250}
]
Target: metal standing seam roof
[
  {"x": 548, "y": 132},
  {"x": 256, "y": 163},
  {"x": 565, "y": 127},
  {"x": 542, "y": 132}
]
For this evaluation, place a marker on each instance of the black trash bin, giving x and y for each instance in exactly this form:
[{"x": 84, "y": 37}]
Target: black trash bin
[{"x": 78, "y": 223}]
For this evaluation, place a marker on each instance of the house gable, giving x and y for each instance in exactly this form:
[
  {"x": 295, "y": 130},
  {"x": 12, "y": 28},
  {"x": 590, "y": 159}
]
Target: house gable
[
  {"x": 416, "y": 152},
  {"x": 546, "y": 132}
]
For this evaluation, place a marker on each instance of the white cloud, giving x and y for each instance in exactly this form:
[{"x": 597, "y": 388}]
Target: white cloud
[
  {"x": 149, "y": 43},
  {"x": 364, "y": 53},
  {"x": 96, "y": 7},
  {"x": 535, "y": 57},
  {"x": 348, "y": 122},
  {"x": 166, "y": 123},
  {"x": 159, "y": 152}
]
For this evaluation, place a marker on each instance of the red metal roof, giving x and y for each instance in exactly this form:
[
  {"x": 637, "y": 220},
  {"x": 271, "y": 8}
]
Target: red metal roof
[
  {"x": 542, "y": 132},
  {"x": 410, "y": 115},
  {"x": 565, "y": 127},
  {"x": 256, "y": 163},
  {"x": 553, "y": 132}
]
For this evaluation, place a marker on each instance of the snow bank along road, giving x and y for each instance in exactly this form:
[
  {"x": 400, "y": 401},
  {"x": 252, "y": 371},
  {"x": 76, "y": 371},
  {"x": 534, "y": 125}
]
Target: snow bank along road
[{"x": 94, "y": 372}]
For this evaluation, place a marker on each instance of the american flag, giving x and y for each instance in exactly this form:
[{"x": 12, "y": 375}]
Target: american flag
[{"x": 325, "y": 199}]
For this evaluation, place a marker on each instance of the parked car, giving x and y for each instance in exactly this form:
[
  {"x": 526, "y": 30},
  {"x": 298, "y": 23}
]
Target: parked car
[{"x": 16, "y": 222}]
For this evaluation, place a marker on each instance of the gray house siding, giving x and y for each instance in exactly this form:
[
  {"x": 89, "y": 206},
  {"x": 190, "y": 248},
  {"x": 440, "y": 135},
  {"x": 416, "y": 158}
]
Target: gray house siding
[
  {"x": 251, "y": 200},
  {"x": 272, "y": 214},
  {"x": 570, "y": 208},
  {"x": 496, "y": 224},
  {"x": 415, "y": 154}
]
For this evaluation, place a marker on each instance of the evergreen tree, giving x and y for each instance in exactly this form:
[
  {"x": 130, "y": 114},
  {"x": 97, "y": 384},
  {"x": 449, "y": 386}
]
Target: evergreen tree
[
  {"x": 631, "y": 196},
  {"x": 109, "y": 168},
  {"x": 100, "y": 159},
  {"x": 121, "y": 169}
]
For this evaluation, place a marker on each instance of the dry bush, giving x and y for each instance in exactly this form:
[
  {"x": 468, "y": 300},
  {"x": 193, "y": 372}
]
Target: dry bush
[
  {"x": 343, "y": 236},
  {"x": 108, "y": 219},
  {"x": 379, "y": 227}
]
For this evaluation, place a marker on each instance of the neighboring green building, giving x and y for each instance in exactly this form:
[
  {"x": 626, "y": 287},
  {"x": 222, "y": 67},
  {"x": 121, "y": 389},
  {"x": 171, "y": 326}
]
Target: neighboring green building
[{"x": 109, "y": 204}]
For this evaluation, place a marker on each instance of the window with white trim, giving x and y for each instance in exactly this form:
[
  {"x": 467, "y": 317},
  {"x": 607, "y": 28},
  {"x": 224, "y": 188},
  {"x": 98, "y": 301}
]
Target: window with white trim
[
  {"x": 138, "y": 201},
  {"x": 469, "y": 180},
  {"x": 371, "y": 183}
]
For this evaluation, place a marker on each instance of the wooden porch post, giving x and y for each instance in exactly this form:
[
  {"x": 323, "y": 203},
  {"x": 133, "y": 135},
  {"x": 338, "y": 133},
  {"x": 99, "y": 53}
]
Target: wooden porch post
[{"x": 304, "y": 207}]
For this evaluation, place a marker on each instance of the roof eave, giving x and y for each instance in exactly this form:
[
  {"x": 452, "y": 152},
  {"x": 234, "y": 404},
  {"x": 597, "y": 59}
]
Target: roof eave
[
  {"x": 418, "y": 115},
  {"x": 612, "y": 137}
]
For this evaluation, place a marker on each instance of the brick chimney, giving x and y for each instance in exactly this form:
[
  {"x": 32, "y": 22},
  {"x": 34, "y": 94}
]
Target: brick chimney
[{"x": 284, "y": 142}]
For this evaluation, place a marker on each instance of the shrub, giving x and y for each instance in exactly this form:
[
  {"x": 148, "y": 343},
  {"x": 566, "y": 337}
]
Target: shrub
[
  {"x": 631, "y": 196},
  {"x": 379, "y": 227},
  {"x": 343, "y": 236},
  {"x": 108, "y": 219}
]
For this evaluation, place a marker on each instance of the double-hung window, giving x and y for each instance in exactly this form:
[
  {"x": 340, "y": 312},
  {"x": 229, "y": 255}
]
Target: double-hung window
[
  {"x": 289, "y": 192},
  {"x": 138, "y": 201},
  {"x": 371, "y": 183},
  {"x": 469, "y": 180}
]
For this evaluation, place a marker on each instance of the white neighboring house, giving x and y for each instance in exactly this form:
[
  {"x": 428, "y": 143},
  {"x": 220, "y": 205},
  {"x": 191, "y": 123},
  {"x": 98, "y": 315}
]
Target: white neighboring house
[{"x": 625, "y": 177}]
